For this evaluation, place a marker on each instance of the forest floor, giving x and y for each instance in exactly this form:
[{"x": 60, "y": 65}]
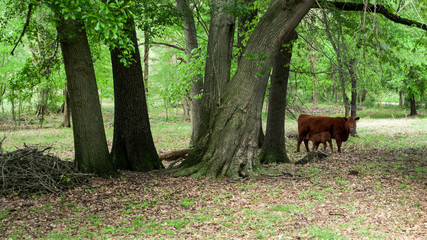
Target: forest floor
[{"x": 374, "y": 191}]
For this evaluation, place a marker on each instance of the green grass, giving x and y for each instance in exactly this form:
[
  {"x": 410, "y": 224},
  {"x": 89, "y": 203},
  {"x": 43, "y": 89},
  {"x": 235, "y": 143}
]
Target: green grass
[
  {"x": 392, "y": 112},
  {"x": 323, "y": 233}
]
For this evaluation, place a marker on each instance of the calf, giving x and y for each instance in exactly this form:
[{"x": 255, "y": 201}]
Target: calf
[
  {"x": 338, "y": 127},
  {"x": 319, "y": 138}
]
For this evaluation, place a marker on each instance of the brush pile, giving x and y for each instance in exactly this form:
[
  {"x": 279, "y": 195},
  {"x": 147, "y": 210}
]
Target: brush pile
[{"x": 30, "y": 171}]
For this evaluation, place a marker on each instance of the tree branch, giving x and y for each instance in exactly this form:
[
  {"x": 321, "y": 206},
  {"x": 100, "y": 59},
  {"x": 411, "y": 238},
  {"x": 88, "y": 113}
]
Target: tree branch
[
  {"x": 347, "y": 6},
  {"x": 30, "y": 8},
  {"x": 168, "y": 45}
]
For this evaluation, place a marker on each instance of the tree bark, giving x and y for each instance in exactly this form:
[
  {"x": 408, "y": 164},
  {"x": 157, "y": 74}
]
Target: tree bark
[
  {"x": 335, "y": 88},
  {"x": 242, "y": 28},
  {"x": 133, "y": 146},
  {"x": 353, "y": 80},
  {"x": 218, "y": 62},
  {"x": 190, "y": 34},
  {"x": 273, "y": 149},
  {"x": 67, "y": 113},
  {"x": 412, "y": 104},
  {"x": 146, "y": 63},
  {"x": 401, "y": 99},
  {"x": 229, "y": 147},
  {"x": 91, "y": 151}
]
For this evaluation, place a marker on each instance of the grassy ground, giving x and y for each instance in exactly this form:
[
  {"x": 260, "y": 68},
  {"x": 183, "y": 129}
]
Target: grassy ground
[{"x": 375, "y": 189}]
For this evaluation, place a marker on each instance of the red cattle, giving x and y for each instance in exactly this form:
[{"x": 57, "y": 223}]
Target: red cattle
[
  {"x": 319, "y": 138},
  {"x": 338, "y": 127}
]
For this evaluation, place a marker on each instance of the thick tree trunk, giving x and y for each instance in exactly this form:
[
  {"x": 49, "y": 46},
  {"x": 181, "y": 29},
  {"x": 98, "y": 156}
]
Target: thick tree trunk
[
  {"x": 273, "y": 149},
  {"x": 242, "y": 29},
  {"x": 91, "y": 151},
  {"x": 229, "y": 147},
  {"x": 190, "y": 34},
  {"x": 218, "y": 62},
  {"x": 67, "y": 113},
  {"x": 133, "y": 146}
]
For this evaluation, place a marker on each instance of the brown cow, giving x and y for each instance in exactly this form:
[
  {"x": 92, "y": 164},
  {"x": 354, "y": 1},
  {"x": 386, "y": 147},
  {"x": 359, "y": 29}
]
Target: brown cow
[
  {"x": 339, "y": 128},
  {"x": 319, "y": 138}
]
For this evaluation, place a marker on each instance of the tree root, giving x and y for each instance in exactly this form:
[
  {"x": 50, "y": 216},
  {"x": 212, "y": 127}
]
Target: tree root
[{"x": 312, "y": 156}]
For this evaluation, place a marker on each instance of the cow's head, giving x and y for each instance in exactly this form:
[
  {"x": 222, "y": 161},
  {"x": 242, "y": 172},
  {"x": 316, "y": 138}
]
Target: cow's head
[{"x": 350, "y": 124}]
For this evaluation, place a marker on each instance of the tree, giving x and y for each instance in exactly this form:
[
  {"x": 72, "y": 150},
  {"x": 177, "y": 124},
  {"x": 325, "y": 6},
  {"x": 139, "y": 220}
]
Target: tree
[
  {"x": 191, "y": 44},
  {"x": 416, "y": 86},
  {"x": 273, "y": 149},
  {"x": 218, "y": 62},
  {"x": 230, "y": 146},
  {"x": 66, "y": 117},
  {"x": 91, "y": 151},
  {"x": 133, "y": 146},
  {"x": 337, "y": 44}
]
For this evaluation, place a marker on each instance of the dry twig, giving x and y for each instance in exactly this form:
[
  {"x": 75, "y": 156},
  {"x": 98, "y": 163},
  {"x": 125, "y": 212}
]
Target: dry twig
[{"x": 29, "y": 171}]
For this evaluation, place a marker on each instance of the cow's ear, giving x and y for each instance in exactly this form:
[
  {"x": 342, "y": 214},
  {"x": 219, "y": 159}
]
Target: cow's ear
[
  {"x": 345, "y": 119},
  {"x": 357, "y": 118}
]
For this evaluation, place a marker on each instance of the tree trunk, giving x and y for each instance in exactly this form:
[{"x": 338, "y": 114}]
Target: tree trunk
[
  {"x": 91, "y": 151},
  {"x": 345, "y": 98},
  {"x": 229, "y": 147},
  {"x": 273, "y": 149},
  {"x": 146, "y": 63},
  {"x": 413, "y": 105},
  {"x": 67, "y": 113},
  {"x": 218, "y": 62},
  {"x": 363, "y": 95},
  {"x": 133, "y": 146},
  {"x": 312, "y": 59},
  {"x": 42, "y": 106},
  {"x": 12, "y": 102},
  {"x": 242, "y": 29},
  {"x": 401, "y": 99},
  {"x": 335, "y": 88},
  {"x": 340, "y": 63},
  {"x": 190, "y": 34},
  {"x": 186, "y": 102},
  {"x": 353, "y": 81}
]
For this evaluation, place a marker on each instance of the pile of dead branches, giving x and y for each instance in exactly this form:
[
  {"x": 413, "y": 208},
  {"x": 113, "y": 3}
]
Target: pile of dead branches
[{"x": 30, "y": 171}]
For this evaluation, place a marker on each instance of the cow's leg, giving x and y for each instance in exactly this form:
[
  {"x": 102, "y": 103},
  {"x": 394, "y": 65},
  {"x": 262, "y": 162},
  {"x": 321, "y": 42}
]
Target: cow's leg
[
  {"x": 300, "y": 138},
  {"x": 330, "y": 144},
  {"x": 324, "y": 145},
  {"x": 339, "y": 142},
  {"x": 306, "y": 145}
]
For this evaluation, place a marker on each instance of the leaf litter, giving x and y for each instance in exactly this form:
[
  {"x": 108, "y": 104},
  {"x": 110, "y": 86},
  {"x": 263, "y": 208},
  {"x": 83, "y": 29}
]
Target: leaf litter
[{"x": 360, "y": 193}]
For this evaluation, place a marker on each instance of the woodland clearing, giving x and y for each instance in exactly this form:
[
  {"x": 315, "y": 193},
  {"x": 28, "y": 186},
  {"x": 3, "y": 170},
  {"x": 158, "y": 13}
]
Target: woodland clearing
[{"x": 376, "y": 188}]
